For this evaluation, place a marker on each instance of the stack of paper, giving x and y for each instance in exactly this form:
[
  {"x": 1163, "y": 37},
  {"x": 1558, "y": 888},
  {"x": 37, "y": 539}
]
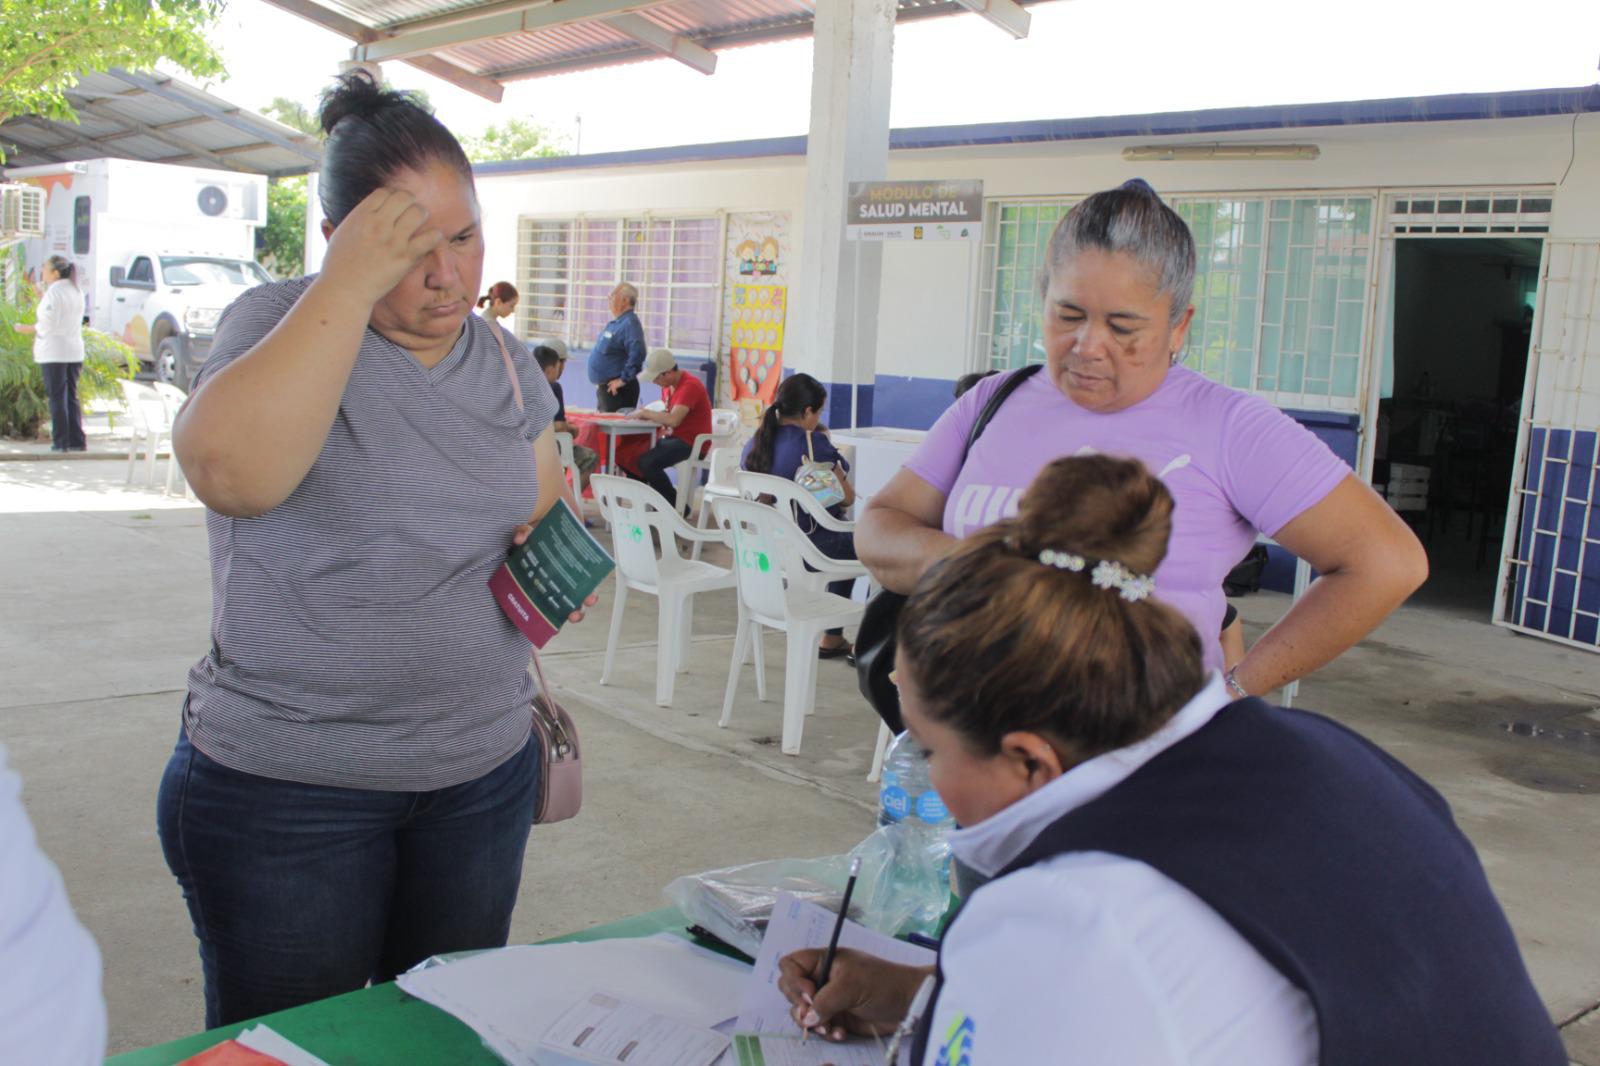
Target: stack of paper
[
  {"x": 765, "y": 1033},
  {"x": 657, "y": 999}
]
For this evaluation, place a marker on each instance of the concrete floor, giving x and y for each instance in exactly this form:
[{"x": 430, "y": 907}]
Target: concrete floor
[{"x": 107, "y": 603}]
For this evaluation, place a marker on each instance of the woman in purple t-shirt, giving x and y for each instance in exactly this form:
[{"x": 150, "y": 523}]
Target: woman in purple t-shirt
[{"x": 1120, "y": 276}]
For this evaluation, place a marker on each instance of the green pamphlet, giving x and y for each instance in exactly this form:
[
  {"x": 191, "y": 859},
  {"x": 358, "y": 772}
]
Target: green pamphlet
[{"x": 549, "y": 575}]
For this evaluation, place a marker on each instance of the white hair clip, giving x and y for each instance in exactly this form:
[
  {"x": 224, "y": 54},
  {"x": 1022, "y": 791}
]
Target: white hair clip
[
  {"x": 1110, "y": 574},
  {"x": 1107, "y": 574},
  {"x": 1063, "y": 560}
]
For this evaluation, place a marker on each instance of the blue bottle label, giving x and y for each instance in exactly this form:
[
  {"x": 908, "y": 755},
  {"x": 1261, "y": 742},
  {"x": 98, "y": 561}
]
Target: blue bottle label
[
  {"x": 895, "y": 801},
  {"x": 931, "y": 809}
]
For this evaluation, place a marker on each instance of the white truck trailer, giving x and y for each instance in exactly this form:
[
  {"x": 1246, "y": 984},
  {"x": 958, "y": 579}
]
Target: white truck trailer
[{"x": 160, "y": 250}]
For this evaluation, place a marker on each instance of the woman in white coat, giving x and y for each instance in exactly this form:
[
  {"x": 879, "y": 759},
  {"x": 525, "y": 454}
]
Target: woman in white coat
[
  {"x": 1179, "y": 877},
  {"x": 58, "y": 349}
]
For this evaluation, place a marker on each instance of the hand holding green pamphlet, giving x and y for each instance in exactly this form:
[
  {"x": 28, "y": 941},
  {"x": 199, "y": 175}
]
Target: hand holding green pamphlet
[{"x": 549, "y": 575}]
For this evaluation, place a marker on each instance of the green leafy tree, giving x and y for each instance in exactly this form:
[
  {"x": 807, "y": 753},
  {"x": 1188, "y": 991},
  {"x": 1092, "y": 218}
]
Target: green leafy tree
[
  {"x": 46, "y": 45},
  {"x": 283, "y": 238},
  {"x": 295, "y": 115},
  {"x": 514, "y": 139}
]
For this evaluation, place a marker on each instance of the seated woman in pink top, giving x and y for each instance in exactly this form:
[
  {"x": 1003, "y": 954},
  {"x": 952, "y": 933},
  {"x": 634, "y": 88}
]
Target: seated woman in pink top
[{"x": 1120, "y": 276}]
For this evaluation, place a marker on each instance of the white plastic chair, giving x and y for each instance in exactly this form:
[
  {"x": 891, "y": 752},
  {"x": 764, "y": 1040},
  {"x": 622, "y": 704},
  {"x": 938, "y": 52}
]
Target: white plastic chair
[
  {"x": 768, "y": 551},
  {"x": 152, "y": 425},
  {"x": 721, "y": 482},
  {"x": 790, "y": 497},
  {"x": 726, "y": 431},
  {"x": 174, "y": 398},
  {"x": 644, "y": 532},
  {"x": 569, "y": 464},
  {"x": 885, "y": 738}
]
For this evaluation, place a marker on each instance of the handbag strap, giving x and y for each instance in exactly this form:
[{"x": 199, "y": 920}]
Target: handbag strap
[
  {"x": 516, "y": 391},
  {"x": 505, "y": 357},
  {"x": 992, "y": 408}
]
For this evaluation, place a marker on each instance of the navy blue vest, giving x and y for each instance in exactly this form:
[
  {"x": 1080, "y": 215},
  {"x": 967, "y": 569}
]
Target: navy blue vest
[{"x": 1344, "y": 870}]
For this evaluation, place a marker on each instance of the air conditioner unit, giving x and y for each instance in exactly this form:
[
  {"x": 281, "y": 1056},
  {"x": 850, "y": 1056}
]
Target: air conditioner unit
[
  {"x": 224, "y": 199},
  {"x": 21, "y": 211}
]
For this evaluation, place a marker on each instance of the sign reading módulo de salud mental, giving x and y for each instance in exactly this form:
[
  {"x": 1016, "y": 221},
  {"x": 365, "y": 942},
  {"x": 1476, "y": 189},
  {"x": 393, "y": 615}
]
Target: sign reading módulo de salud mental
[{"x": 915, "y": 211}]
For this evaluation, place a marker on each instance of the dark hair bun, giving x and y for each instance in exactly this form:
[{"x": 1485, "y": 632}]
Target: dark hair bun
[
  {"x": 1098, "y": 506},
  {"x": 358, "y": 95},
  {"x": 372, "y": 134}
]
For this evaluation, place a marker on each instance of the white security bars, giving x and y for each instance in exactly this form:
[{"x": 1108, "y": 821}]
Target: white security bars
[{"x": 566, "y": 269}]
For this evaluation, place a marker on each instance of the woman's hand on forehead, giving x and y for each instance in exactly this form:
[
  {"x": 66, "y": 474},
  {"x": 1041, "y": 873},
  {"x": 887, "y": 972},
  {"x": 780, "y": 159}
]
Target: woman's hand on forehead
[{"x": 378, "y": 243}]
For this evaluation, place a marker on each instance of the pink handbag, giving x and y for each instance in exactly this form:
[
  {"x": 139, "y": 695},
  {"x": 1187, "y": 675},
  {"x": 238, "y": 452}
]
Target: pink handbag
[{"x": 561, "y": 766}]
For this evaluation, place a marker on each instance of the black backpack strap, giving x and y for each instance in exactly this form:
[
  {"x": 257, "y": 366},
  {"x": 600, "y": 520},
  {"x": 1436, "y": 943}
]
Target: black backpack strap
[
  {"x": 992, "y": 408},
  {"x": 875, "y": 635}
]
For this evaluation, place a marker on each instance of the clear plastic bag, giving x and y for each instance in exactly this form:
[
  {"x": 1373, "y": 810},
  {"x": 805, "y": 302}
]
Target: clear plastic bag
[{"x": 903, "y": 888}]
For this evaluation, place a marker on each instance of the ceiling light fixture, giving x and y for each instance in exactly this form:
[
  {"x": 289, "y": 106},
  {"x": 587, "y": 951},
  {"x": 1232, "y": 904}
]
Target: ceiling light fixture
[{"x": 1220, "y": 152}]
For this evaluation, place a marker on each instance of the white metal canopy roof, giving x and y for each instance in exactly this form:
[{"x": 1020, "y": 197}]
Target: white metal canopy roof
[
  {"x": 158, "y": 119},
  {"x": 479, "y": 46}
]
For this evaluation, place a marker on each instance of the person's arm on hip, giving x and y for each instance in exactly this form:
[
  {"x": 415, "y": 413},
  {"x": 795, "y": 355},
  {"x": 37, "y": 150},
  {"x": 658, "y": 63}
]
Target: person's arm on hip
[
  {"x": 1369, "y": 562},
  {"x": 633, "y": 340}
]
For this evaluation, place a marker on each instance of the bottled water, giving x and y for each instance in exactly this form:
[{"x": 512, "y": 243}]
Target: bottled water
[
  {"x": 905, "y": 793},
  {"x": 919, "y": 823}
]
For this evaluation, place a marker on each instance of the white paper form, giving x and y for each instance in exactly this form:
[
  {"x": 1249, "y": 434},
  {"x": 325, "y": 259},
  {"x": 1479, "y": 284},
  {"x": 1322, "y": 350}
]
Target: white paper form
[
  {"x": 774, "y": 1049},
  {"x": 511, "y": 997},
  {"x": 796, "y": 924},
  {"x": 604, "y": 1029}
]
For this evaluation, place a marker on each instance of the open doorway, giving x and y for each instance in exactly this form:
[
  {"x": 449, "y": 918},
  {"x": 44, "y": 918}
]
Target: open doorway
[{"x": 1447, "y": 421}]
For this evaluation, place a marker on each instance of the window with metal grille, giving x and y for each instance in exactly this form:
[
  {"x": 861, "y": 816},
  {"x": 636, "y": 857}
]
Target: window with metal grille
[
  {"x": 1280, "y": 291},
  {"x": 566, "y": 269},
  {"x": 1461, "y": 211}
]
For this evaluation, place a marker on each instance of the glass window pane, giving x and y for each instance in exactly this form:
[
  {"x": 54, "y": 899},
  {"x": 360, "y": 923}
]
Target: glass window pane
[
  {"x": 1347, "y": 333},
  {"x": 1291, "y": 374},
  {"x": 1345, "y": 368}
]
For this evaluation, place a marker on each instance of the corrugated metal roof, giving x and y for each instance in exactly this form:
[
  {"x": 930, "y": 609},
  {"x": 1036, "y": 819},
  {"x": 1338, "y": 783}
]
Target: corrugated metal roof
[
  {"x": 584, "y": 42},
  {"x": 158, "y": 119}
]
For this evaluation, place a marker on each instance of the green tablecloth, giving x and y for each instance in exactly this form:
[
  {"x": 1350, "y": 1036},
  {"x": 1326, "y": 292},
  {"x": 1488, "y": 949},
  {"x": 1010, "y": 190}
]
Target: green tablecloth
[{"x": 383, "y": 1026}]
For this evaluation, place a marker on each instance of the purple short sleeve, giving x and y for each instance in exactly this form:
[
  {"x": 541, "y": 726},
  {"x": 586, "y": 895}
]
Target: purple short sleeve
[
  {"x": 1274, "y": 469},
  {"x": 938, "y": 458}
]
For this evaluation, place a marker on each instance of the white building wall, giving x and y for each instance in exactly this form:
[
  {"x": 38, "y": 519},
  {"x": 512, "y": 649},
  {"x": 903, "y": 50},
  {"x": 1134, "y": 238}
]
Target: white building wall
[{"x": 925, "y": 328}]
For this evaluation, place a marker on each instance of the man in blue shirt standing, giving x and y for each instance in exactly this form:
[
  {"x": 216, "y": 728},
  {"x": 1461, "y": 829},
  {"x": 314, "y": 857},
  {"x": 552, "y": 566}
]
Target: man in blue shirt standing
[{"x": 616, "y": 358}]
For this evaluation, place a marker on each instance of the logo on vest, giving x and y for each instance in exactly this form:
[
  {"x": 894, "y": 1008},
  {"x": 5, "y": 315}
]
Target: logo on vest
[{"x": 957, "y": 1047}]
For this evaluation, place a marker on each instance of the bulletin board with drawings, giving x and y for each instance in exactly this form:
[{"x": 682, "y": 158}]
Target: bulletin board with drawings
[{"x": 757, "y": 341}]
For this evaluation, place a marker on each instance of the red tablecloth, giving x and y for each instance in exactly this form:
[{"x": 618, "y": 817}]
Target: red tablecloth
[{"x": 629, "y": 446}]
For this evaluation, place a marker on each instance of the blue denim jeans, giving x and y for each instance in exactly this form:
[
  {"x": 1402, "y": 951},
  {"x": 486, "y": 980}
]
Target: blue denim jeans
[{"x": 299, "y": 892}]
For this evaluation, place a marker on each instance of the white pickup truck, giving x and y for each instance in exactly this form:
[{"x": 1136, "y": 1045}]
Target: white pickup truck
[
  {"x": 160, "y": 250},
  {"x": 166, "y": 306}
]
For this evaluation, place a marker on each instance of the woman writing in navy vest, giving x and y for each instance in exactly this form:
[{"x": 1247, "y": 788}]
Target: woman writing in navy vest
[{"x": 1179, "y": 877}]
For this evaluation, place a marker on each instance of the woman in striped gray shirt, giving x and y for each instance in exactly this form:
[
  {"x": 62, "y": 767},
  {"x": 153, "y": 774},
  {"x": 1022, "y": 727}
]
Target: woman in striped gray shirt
[{"x": 354, "y": 782}]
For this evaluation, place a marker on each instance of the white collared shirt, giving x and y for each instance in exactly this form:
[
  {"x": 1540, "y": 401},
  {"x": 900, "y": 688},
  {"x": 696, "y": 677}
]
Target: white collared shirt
[
  {"x": 1095, "y": 959},
  {"x": 58, "y": 324},
  {"x": 51, "y": 1009}
]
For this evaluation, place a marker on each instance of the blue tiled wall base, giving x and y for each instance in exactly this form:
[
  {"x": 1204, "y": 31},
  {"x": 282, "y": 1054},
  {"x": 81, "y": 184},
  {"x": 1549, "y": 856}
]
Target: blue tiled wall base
[{"x": 1557, "y": 589}]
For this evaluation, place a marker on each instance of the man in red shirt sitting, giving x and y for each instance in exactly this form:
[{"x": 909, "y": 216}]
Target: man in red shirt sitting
[{"x": 687, "y": 416}]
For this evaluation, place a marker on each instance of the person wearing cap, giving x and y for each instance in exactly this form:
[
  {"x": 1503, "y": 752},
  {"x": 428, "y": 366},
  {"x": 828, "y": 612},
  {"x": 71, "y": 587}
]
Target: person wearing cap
[
  {"x": 687, "y": 416},
  {"x": 618, "y": 353},
  {"x": 552, "y": 357}
]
